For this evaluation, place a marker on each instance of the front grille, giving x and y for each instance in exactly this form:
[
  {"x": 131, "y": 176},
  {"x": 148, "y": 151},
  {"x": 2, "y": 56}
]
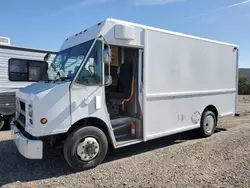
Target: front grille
[
  {"x": 20, "y": 112},
  {"x": 22, "y": 106}
]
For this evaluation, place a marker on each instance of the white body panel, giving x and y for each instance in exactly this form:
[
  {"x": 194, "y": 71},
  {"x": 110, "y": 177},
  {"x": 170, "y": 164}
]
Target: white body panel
[
  {"x": 89, "y": 102},
  {"x": 50, "y": 101},
  {"x": 182, "y": 77}
]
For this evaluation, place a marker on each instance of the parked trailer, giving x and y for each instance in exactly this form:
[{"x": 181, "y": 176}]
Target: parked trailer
[
  {"x": 162, "y": 83},
  {"x": 19, "y": 67}
]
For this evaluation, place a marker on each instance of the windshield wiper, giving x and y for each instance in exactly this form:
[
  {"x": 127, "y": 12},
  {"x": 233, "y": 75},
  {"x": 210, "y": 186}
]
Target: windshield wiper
[
  {"x": 48, "y": 81},
  {"x": 62, "y": 79}
]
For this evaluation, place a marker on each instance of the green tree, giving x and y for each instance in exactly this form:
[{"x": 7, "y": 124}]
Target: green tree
[{"x": 243, "y": 86}]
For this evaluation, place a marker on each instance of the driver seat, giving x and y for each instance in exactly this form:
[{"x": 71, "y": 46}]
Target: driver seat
[{"x": 125, "y": 85}]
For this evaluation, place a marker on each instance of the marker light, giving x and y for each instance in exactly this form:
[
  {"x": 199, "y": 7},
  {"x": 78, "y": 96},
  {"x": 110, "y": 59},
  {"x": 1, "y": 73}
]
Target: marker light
[
  {"x": 43, "y": 120},
  {"x": 31, "y": 121},
  {"x": 235, "y": 48}
]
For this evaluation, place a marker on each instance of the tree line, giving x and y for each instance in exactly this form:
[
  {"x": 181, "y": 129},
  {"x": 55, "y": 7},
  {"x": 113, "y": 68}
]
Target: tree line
[{"x": 243, "y": 86}]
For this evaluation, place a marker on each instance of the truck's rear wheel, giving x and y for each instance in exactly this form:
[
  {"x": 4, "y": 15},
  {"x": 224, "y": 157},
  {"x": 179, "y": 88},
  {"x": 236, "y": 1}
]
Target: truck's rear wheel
[
  {"x": 208, "y": 123},
  {"x": 1, "y": 122},
  {"x": 85, "y": 148}
]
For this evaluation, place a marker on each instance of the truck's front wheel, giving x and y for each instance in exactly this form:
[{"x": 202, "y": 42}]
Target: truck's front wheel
[{"x": 85, "y": 148}]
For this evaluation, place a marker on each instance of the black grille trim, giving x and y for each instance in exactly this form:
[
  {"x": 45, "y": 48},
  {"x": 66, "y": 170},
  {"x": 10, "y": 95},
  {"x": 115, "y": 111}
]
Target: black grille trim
[{"x": 22, "y": 106}]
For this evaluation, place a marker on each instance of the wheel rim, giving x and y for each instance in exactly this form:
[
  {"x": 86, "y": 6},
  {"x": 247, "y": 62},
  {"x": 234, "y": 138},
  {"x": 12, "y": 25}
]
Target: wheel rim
[
  {"x": 88, "y": 149},
  {"x": 209, "y": 124}
]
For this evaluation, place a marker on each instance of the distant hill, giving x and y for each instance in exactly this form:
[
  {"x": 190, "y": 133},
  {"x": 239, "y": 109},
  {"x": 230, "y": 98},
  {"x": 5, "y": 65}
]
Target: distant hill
[{"x": 245, "y": 72}]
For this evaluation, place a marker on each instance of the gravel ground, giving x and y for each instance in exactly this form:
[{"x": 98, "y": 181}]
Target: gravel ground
[{"x": 182, "y": 160}]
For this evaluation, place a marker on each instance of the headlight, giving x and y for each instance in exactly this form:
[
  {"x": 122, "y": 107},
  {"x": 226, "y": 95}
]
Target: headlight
[{"x": 30, "y": 110}]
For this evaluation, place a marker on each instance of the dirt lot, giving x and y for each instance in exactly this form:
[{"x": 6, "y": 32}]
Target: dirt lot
[{"x": 182, "y": 160}]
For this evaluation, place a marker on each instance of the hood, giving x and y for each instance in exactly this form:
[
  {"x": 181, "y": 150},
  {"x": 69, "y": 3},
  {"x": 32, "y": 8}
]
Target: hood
[{"x": 39, "y": 87}]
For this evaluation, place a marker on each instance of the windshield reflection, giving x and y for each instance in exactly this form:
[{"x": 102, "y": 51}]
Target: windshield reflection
[{"x": 67, "y": 62}]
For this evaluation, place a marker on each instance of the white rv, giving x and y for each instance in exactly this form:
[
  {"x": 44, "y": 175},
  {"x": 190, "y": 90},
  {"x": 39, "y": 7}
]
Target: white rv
[
  {"x": 119, "y": 83},
  {"x": 19, "y": 67}
]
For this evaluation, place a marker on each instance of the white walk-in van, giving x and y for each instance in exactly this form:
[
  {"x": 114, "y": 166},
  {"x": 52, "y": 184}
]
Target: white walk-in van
[{"x": 119, "y": 83}]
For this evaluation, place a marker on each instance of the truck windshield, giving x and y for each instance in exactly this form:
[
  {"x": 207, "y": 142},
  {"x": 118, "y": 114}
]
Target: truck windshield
[{"x": 68, "y": 61}]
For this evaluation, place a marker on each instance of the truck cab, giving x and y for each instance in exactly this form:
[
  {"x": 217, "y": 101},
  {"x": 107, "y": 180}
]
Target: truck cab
[{"x": 89, "y": 100}]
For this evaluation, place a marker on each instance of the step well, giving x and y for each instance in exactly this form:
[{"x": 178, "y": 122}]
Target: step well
[{"x": 126, "y": 128}]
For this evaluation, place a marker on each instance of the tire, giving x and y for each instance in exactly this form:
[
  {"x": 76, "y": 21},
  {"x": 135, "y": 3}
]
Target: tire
[
  {"x": 78, "y": 137},
  {"x": 2, "y": 122},
  {"x": 208, "y": 123}
]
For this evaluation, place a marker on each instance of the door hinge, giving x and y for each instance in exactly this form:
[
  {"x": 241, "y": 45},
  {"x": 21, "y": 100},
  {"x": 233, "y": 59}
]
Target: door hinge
[{"x": 141, "y": 88}]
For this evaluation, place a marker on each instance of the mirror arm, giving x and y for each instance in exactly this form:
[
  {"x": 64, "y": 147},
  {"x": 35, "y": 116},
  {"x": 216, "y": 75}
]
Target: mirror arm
[
  {"x": 109, "y": 48},
  {"x": 106, "y": 41}
]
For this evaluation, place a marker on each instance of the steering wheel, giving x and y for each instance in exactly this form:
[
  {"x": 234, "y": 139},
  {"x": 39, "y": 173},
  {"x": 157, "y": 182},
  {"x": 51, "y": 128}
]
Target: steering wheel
[{"x": 90, "y": 78}]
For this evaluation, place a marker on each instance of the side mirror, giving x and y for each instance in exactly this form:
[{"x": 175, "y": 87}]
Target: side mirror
[
  {"x": 107, "y": 56},
  {"x": 46, "y": 57},
  {"x": 108, "y": 80}
]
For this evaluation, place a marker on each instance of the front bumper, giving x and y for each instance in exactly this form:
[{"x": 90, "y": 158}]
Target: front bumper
[{"x": 31, "y": 149}]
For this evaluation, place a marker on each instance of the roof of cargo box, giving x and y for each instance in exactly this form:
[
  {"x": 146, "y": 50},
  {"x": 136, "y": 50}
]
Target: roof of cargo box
[
  {"x": 93, "y": 31},
  {"x": 166, "y": 31}
]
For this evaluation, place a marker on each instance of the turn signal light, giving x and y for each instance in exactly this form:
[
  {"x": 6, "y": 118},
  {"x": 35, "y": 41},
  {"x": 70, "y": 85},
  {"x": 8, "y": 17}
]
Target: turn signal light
[
  {"x": 31, "y": 121},
  {"x": 43, "y": 120}
]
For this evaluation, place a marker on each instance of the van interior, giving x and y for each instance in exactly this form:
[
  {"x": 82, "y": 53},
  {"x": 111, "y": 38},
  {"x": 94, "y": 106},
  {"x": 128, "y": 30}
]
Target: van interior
[{"x": 122, "y": 95}]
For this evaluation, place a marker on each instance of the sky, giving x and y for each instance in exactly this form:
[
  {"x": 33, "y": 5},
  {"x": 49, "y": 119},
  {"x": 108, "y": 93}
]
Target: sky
[{"x": 46, "y": 24}]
